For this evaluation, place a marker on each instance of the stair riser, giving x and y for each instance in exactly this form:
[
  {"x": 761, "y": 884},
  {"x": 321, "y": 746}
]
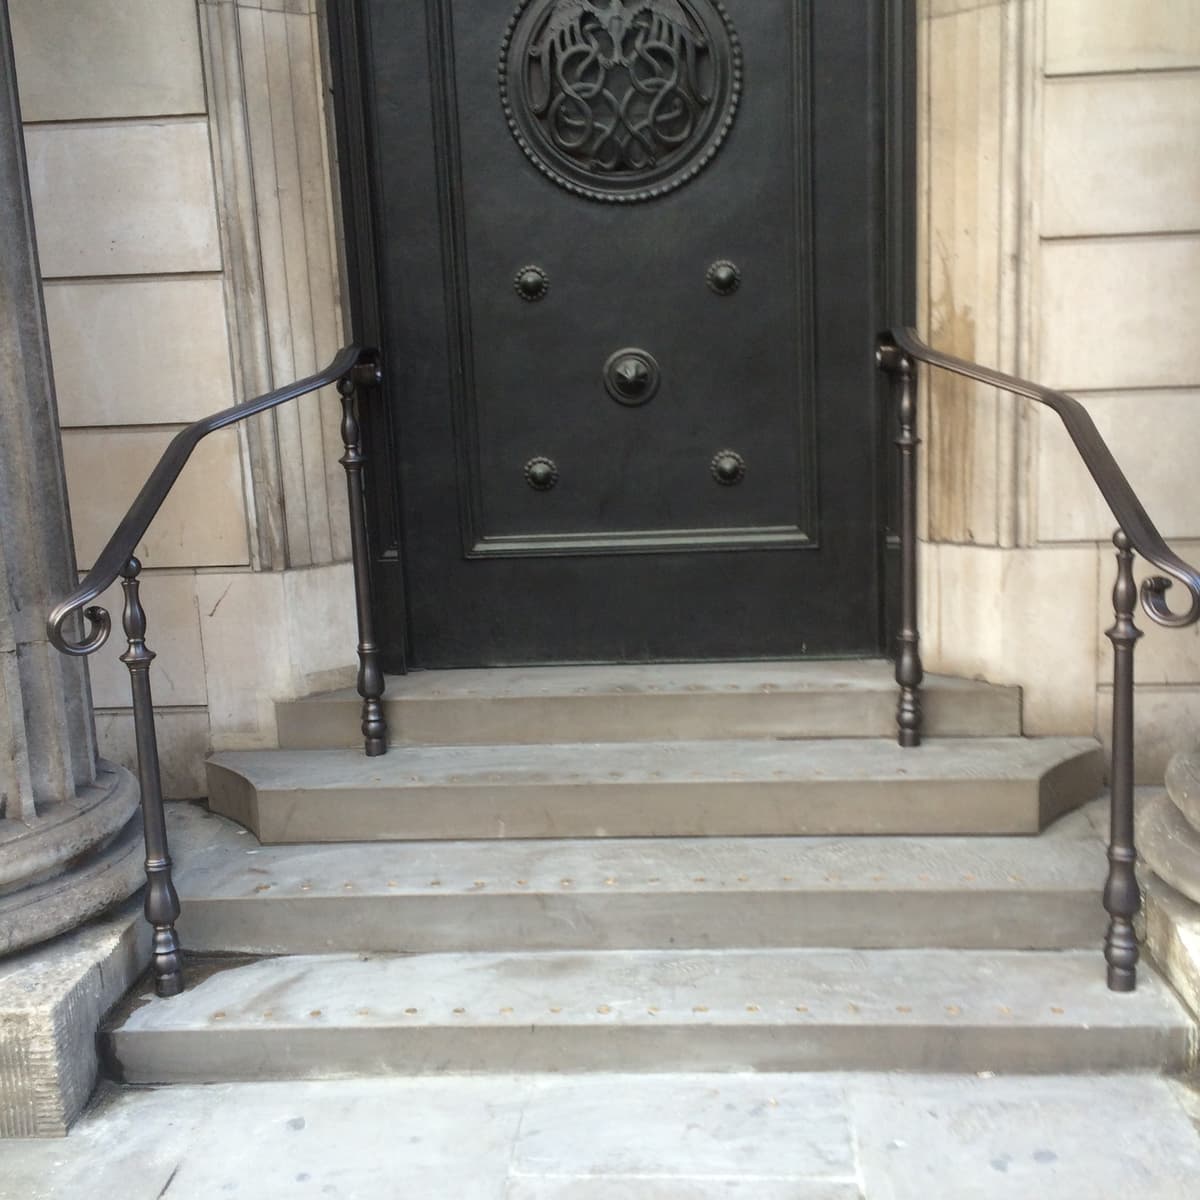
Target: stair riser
[
  {"x": 515, "y": 720},
  {"x": 984, "y": 807},
  {"x": 314, "y": 1053},
  {"x": 1033, "y": 920}
]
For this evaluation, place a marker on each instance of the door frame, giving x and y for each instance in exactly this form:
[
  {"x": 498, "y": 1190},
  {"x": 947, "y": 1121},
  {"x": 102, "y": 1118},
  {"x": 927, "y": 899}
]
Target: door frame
[{"x": 347, "y": 28}]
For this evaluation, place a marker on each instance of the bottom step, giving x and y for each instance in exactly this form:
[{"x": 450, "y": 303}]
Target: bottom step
[{"x": 332, "y": 1016}]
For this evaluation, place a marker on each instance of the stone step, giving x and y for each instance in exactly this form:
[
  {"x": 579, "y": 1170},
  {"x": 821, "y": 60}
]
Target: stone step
[
  {"x": 670, "y": 789},
  {"x": 654, "y": 702},
  {"x": 633, "y": 894},
  {"x": 750, "y": 1010}
]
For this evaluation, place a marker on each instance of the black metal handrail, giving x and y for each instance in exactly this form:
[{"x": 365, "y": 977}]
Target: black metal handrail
[
  {"x": 1116, "y": 489},
  {"x": 352, "y": 369},
  {"x": 898, "y": 351}
]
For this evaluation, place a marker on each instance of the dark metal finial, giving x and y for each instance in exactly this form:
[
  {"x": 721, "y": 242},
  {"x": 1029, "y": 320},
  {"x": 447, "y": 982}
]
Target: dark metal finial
[
  {"x": 1122, "y": 896},
  {"x": 162, "y": 901},
  {"x": 371, "y": 681},
  {"x": 910, "y": 672}
]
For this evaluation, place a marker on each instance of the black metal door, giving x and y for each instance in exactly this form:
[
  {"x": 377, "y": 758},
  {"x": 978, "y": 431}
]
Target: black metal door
[{"x": 627, "y": 261}]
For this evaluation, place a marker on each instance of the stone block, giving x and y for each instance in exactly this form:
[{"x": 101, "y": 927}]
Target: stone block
[
  {"x": 173, "y": 633},
  {"x": 321, "y": 626},
  {"x": 107, "y": 58},
  {"x": 123, "y": 198},
  {"x": 1026, "y": 617},
  {"x": 162, "y": 342},
  {"x": 52, "y": 1000},
  {"x": 1166, "y": 721},
  {"x": 1119, "y": 313},
  {"x": 183, "y": 744},
  {"x": 1121, "y": 154},
  {"x": 1084, "y": 36},
  {"x": 202, "y": 522},
  {"x": 246, "y": 653},
  {"x": 1155, "y": 437}
]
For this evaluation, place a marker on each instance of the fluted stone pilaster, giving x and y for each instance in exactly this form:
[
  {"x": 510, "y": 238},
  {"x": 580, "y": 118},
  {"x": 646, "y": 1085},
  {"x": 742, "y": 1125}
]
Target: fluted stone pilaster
[
  {"x": 69, "y": 822},
  {"x": 65, "y": 817}
]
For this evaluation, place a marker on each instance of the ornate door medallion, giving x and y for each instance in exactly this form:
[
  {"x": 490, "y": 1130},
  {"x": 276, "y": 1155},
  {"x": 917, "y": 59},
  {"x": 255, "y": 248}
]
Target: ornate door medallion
[{"x": 620, "y": 100}]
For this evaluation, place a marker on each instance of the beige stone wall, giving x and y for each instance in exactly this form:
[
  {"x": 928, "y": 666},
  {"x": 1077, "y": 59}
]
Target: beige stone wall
[
  {"x": 182, "y": 183},
  {"x": 182, "y": 196},
  {"x": 1061, "y": 240}
]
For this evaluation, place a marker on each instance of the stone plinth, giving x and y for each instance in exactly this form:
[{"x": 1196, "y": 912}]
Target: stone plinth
[{"x": 52, "y": 999}]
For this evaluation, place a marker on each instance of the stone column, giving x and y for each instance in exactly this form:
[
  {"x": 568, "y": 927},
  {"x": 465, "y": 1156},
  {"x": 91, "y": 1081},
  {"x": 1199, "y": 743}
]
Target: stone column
[{"x": 69, "y": 826}]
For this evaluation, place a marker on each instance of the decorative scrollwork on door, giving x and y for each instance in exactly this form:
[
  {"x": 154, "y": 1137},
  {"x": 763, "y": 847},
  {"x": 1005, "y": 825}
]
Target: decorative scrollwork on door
[{"x": 620, "y": 100}]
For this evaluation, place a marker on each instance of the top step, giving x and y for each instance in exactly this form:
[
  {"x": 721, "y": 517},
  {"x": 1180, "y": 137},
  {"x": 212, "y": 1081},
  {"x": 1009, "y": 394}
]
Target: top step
[{"x": 649, "y": 702}]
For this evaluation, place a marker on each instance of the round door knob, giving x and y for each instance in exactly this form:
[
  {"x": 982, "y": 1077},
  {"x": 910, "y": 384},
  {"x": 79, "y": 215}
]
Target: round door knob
[
  {"x": 631, "y": 377},
  {"x": 728, "y": 468}
]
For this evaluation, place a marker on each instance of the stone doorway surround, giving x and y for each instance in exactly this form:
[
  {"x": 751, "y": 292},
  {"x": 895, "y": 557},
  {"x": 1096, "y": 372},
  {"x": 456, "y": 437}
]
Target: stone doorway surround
[{"x": 1000, "y": 89}]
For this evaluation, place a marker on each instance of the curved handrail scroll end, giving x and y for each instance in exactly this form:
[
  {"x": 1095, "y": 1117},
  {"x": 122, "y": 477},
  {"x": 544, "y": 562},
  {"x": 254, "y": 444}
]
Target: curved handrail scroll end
[
  {"x": 99, "y": 626},
  {"x": 118, "y": 555},
  {"x": 900, "y": 344},
  {"x": 1154, "y": 602}
]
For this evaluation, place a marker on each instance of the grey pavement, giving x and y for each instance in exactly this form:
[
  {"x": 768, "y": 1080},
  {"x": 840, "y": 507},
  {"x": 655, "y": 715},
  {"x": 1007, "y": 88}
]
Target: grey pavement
[{"x": 628, "y": 1137}]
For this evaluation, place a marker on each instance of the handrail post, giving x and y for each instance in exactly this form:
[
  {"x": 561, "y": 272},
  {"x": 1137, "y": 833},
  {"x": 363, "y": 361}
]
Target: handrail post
[
  {"x": 1122, "y": 896},
  {"x": 162, "y": 901},
  {"x": 909, "y": 671},
  {"x": 371, "y": 682}
]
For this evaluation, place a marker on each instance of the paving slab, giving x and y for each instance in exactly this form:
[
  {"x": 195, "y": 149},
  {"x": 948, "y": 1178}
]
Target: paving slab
[
  {"x": 1099, "y": 1138},
  {"x": 658, "y": 789},
  {"x": 330, "y": 1016},
  {"x": 864, "y": 893},
  {"x": 659, "y": 702},
  {"x": 687, "y": 1137}
]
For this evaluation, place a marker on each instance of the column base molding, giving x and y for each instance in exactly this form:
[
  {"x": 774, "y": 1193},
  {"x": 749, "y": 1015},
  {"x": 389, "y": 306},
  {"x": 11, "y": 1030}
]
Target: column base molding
[{"x": 80, "y": 859}]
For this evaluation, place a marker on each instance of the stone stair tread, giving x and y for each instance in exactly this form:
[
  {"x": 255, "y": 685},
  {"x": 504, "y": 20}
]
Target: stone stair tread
[
  {"x": 630, "y": 893},
  {"x": 655, "y": 789},
  {"x": 219, "y": 860},
  {"x": 738, "y": 987},
  {"x": 623, "y": 679},
  {"x": 875, "y": 760},
  {"x": 660, "y": 701},
  {"x": 324, "y": 1015}
]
